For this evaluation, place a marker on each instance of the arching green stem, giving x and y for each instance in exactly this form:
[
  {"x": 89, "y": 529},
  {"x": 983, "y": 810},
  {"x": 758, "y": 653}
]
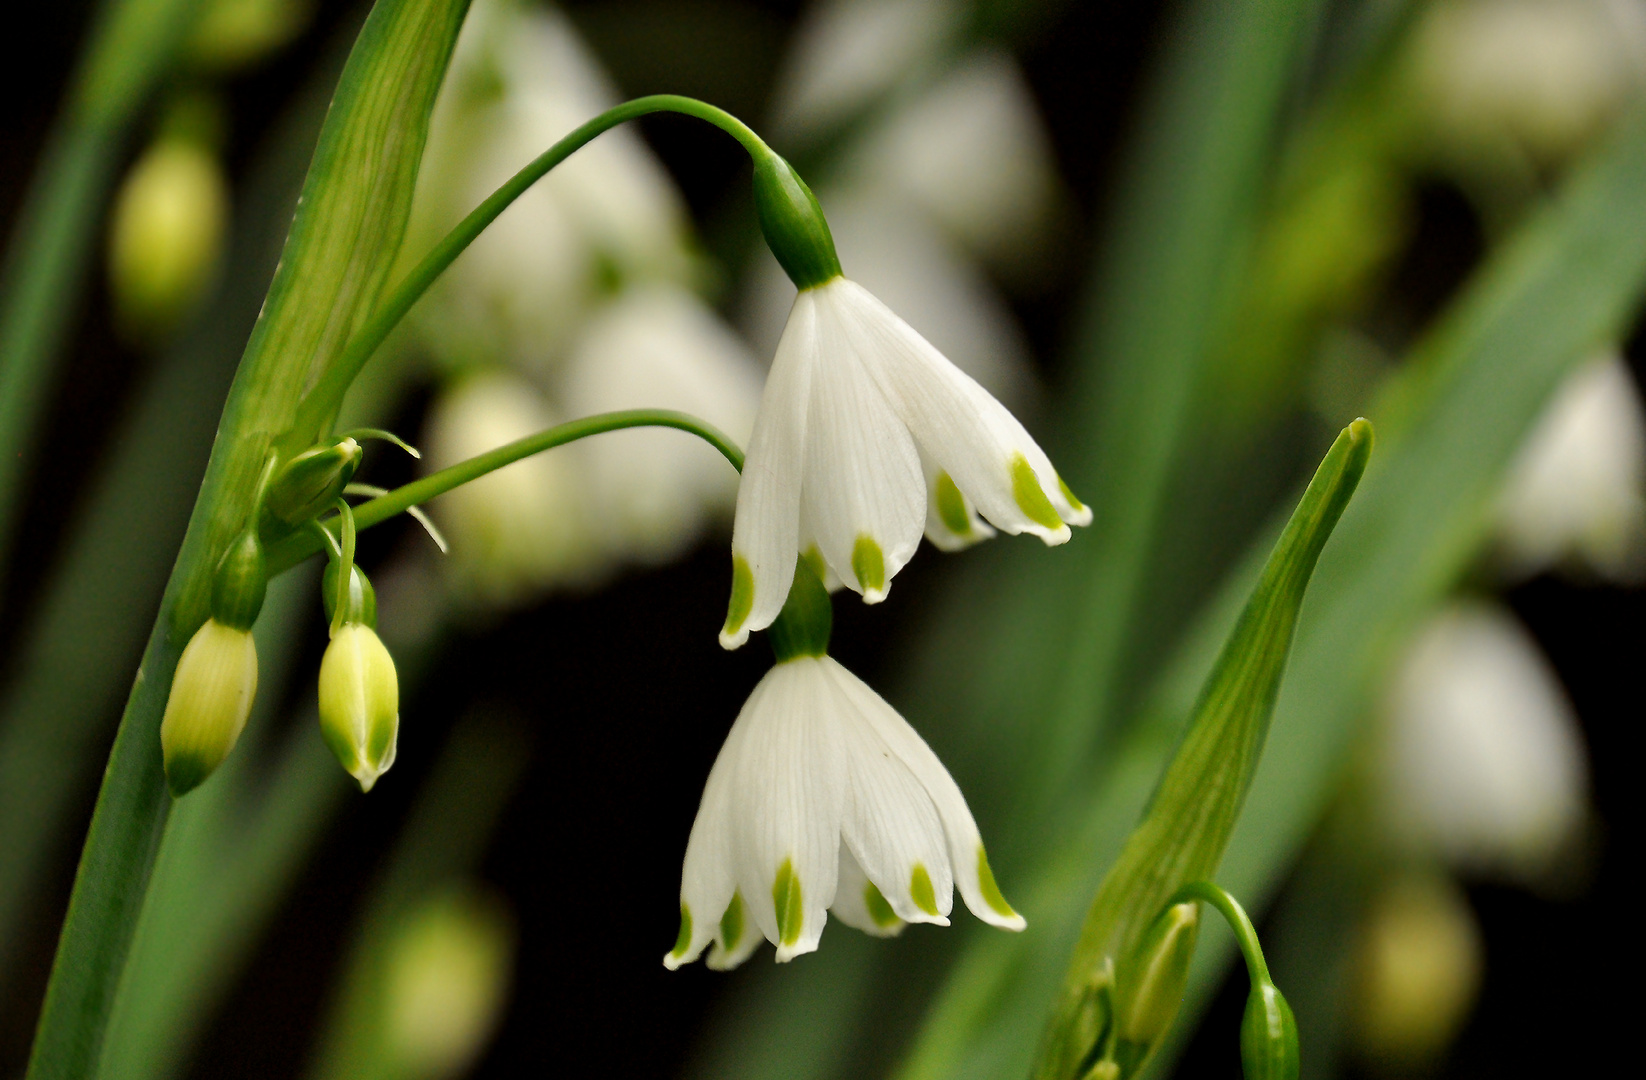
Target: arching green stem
[
  {"x": 322, "y": 403},
  {"x": 1238, "y": 921},
  {"x": 286, "y": 553}
]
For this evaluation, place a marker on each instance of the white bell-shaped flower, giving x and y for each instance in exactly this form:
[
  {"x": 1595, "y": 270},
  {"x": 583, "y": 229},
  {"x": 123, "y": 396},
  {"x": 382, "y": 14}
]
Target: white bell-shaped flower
[
  {"x": 824, "y": 799},
  {"x": 1577, "y": 489},
  {"x": 865, "y": 434}
]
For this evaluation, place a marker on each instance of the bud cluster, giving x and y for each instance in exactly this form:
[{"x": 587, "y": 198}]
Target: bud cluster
[{"x": 216, "y": 678}]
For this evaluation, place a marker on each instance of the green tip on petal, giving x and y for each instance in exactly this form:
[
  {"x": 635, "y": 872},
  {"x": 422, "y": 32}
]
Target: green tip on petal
[
  {"x": 870, "y": 567},
  {"x": 1069, "y": 496},
  {"x": 683, "y": 940},
  {"x": 920, "y": 890},
  {"x": 786, "y": 898},
  {"x": 951, "y": 506},
  {"x": 742, "y": 598},
  {"x": 990, "y": 890},
  {"x": 731, "y": 923},
  {"x": 185, "y": 772},
  {"x": 879, "y": 910},
  {"x": 1031, "y": 498}
]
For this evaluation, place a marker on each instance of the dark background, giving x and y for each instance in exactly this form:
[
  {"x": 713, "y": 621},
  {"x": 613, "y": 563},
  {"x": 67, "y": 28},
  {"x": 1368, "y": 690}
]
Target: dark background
[{"x": 623, "y": 696}]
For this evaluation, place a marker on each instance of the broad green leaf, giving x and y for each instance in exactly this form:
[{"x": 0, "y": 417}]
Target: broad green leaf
[
  {"x": 1192, "y": 814},
  {"x": 343, "y": 240}
]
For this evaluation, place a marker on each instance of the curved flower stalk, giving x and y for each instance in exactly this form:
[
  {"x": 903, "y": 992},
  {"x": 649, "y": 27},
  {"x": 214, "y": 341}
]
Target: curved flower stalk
[
  {"x": 865, "y": 433},
  {"x": 824, "y": 799}
]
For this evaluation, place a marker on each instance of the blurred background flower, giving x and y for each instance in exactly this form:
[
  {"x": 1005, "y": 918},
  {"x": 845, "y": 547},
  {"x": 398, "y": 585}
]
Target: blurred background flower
[{"x": 1055, "y": 195}]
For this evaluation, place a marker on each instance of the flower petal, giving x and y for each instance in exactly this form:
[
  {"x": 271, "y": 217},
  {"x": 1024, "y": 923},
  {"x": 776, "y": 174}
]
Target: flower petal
[
  {"x": 735, "y": 938},
  {"x": 952, "y": 522},
  {"x": 790, "y": 783},
  {"x": 863, "y": 491},
  {"x": 707, "y": 881},
  {"x": 969, "y": 863},
  {"x": 890, "y": 824},
  {"x": 858, "y": 902},
  {"x": 960, "y": 427},
  {"x": 766, "y": 531}
]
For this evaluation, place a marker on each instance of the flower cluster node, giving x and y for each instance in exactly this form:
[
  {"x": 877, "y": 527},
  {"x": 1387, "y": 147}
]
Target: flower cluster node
[{"x": 311, "y": 482}]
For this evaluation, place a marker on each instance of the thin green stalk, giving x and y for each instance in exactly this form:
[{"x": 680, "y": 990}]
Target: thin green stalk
[
  {"x": 322, "y": 403},
  {"x": 292, "y": 550},
  {"x": 344, "y": 236},
  {"x": 133, "y": 45},
  {"x": 1245, "y": 933}
]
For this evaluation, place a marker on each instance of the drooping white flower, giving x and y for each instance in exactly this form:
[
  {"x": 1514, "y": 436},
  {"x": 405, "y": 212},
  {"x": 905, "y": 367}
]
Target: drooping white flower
[
  {"x": 824, "y": 799},
  {"x": 1484, "y": 763},
  {"x": 1578, "y": 487},
  {"x": 865, "y": 432}
]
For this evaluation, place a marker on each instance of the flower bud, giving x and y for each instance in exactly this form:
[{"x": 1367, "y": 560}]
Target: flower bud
[
  {"x": 1152, "y": 991},
  {"x": 360, "y": 606},
  {"x": 793, "y": 223},
  {"x": 211, "y": 696},
  {"x": 360, "y": 702},
  {"x": 310, "y": 482},
  {"x": 447, "y": 982},
  {"x": 240, "y": 583},
  {"x": 166, "y": 234},
  {"x": 1268, "y": 1035}
]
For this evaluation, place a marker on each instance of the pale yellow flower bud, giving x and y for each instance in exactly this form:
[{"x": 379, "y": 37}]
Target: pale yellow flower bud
[
  {"x": 167, "y": 234},
  {"x": 211, "y": 696},
  {"x": 360, "y": 702}
]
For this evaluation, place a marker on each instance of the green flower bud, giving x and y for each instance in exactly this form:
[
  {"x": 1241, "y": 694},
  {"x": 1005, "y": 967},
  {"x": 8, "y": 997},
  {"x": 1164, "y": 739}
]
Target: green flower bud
[
  {"x": 1152, "y": 990},
  {"x": 360, "y": 702},
  {"x": 361, "y": 604},
  {"x": 240, "y": 583},
  {"x": 793, "y": 223},
  {"x": 211, "y": 696},
  {"x": 310, "y": 482},
  {"x": 446, "y": 984},
  {"x": 166, "y": 235},
  {"x": 1268, "y": 1036}
]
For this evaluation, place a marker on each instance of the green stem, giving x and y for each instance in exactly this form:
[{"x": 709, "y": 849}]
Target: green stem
[
  {"x": 288, "y": 552},
  {"x": 133, "y": 45},
  {"x": 323, "y": 401},
  {"x": 1239, "y": 922}
]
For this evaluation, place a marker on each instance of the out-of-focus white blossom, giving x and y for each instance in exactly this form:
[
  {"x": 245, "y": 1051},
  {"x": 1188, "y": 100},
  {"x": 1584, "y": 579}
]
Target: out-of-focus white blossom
[
  {"x": 1485, "y": 764},
  {"x": 1577, "y": 491},
  {"x": 1418, "y": 968},
  {"x": 522, "y": 528},
  {"x": 901, "y": 258},
  {"x": 849, "y": 53},
  {"x": 1533, "y": 77},
  {"x": 652, "y": 491},
  {"x": 520, "y": 80},
  {"x": 971, "y": 152}
]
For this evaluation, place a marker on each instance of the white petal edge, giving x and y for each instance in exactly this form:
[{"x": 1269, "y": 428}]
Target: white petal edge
[
  {"x": 959, "y": 426},
  {"x": 766, "y": 529},
  {"x": 960, "y": 829},
  {"x": 851, "y": 901},
  {"x": 862, "y": 471},
  {"x": 790, "y": 782}
]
